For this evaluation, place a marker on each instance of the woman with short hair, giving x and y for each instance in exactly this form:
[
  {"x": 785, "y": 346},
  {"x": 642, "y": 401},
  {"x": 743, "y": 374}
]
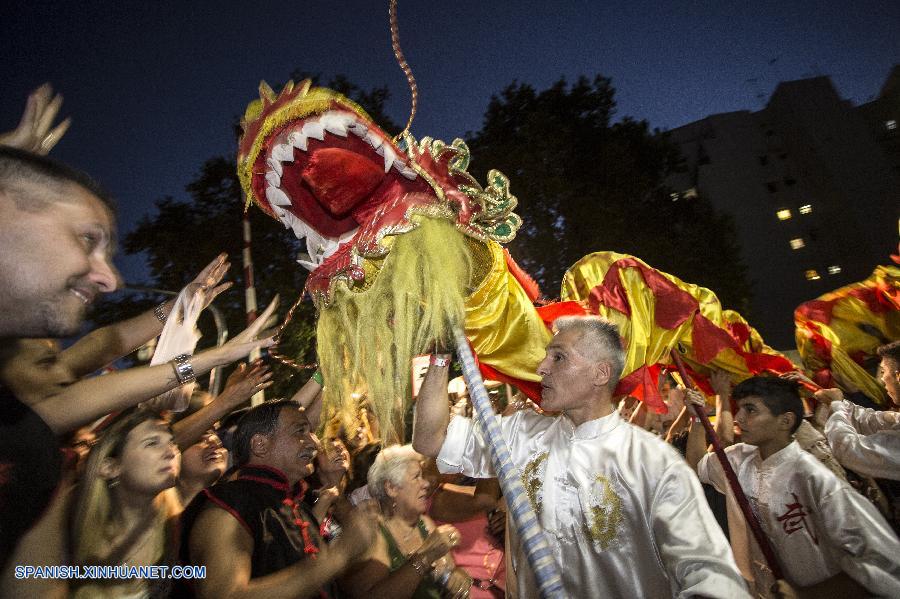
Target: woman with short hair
[{"x": 410, "y": 558}]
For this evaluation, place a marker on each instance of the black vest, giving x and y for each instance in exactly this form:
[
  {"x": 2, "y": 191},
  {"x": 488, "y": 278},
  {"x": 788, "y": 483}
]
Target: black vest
[{"x": 283, "y": 528}]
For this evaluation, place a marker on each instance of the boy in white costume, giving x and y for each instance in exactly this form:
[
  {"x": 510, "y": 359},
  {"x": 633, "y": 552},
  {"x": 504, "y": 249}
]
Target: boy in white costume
[
  {"x": 827, "y": 537},
  {"x": 622, "y": 512}
]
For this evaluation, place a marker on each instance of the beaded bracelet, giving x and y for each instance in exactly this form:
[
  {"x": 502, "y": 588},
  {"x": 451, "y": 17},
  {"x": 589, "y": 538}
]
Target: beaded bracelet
[{"x": 160, "y": 312}]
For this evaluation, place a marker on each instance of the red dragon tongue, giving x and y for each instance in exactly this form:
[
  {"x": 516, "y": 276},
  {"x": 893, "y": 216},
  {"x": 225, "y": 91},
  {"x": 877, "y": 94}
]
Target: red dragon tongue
[{"x": 340, "y": 179}]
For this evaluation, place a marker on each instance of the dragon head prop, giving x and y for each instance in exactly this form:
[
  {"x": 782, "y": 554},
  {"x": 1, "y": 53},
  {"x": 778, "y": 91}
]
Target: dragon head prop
[
  {"x": 398, "y": 234},
  {"x": 315, "y": 161}
]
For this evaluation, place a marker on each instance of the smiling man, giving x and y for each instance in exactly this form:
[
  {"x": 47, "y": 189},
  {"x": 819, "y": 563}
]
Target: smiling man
[
  {"x": 56, "y": 232},
  {"x": 829, "y": 540},
  {"x": 622, "y": 511},
  {"x": 56, "y": 239},
  {"x": 254, "y": 533}
]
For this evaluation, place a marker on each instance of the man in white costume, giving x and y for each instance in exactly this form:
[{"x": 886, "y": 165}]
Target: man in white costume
[
  {"x": 864, "y": 440},
  {"x": 829, "y": 540},
  {"x": 621, "y": 510}
]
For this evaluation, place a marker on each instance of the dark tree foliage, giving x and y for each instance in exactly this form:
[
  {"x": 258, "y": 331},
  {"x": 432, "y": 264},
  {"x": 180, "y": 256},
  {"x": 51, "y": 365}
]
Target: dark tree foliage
[
  {"x": 187, "y": 233},
  {"x": 586, "y": 184}
]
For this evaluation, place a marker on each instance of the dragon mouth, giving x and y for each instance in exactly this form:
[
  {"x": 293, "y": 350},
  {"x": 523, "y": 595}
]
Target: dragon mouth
[{"x": 324, "y": 174}]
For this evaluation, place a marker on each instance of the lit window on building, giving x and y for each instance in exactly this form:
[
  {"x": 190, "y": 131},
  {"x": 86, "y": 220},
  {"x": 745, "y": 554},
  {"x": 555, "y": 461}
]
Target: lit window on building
[
  {"x": 834, "y": 269},
  {"x": 890, "y": 125},
  {"x": 783, "y": 214},
  {"x": 805, "y": 208},
  {"x": 690, "y": 193},
  {"x": 797, "y": 243},
  {"x": 812, "y": 275}
]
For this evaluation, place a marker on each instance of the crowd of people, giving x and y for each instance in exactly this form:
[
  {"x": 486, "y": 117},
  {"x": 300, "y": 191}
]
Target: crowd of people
[{"x": 106, "y": 491}]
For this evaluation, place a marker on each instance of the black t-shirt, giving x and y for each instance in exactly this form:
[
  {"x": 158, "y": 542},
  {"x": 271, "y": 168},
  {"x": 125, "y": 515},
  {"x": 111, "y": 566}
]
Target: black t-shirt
[{"x": 30, "y": 470}]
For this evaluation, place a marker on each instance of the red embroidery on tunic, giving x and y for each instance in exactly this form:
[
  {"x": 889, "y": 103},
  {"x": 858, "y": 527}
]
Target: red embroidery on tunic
[{"x": 794, "y": 519}]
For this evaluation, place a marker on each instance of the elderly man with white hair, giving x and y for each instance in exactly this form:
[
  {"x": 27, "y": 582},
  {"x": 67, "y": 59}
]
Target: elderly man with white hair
[{"x": 622, "y": 511}]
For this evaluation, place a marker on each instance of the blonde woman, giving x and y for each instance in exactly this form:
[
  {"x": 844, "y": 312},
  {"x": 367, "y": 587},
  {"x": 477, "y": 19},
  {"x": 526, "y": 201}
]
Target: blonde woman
[{"x": 125, "y": 511}]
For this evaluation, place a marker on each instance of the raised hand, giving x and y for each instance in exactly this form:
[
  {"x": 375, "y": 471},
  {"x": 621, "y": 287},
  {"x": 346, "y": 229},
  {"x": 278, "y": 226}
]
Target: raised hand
[
  {"x": 245, "y": 382},
  {"x": 246, "y": 341},
  {"x": 721, "y": 383},
  {"x": 207, "y": 282},
  {"x": 694, "y": 397},
  {"x": 33, "y": 132}
]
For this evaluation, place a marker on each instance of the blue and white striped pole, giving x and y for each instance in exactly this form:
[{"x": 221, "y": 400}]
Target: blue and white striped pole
[{"x": 540, "y": 558}]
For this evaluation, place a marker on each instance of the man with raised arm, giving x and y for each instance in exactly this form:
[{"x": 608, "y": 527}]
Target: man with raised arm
[{"x": 622, "y": 512}]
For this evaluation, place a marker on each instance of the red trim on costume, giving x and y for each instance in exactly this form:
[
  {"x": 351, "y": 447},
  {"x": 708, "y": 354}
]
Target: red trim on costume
[
  {"x": 228, "y": 509},
  {"x": 280, "y": 485}
]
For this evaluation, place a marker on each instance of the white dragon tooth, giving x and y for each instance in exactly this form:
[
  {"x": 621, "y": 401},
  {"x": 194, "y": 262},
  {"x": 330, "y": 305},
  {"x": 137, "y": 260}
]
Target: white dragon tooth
[
  {"x": 310, "y": 266},
  {"x": 336, "y": 124},
  {"x": 280, "y": 215},
  {"x": 277, "y": 197},
  {"x": 301, "y": 229},
  {"x": 315, "y": 130},
  {"x": 297, "y": 139},
  {"x": 373, "y": 140},
  {"x": 399, "y": 164},
  {"x": 273, "y": 179},
  {"x": 283, "y": 152},
  {"x": 358, "y": 129},
  {"x": 408, "y": 173},
  {"x": 389, "y": 156},
  {"x": 274, "y": 165}
]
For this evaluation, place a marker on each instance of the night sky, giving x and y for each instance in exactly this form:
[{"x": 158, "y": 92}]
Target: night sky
[{"x": 153, "y": 87}]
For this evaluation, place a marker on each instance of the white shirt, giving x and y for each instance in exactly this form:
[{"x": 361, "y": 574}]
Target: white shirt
[
  {"x": 621, "y": 510},
  {"x": 864, "y": 440},
  {"x": 816, "y": 523}
]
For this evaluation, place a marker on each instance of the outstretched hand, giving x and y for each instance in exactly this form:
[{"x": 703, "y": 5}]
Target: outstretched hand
[
  {"x": 245, "y": 382},
  {"x": 33, "y": 132},
  {"x": 246, "y": 341},
  {"x": 206, "y": 284}
]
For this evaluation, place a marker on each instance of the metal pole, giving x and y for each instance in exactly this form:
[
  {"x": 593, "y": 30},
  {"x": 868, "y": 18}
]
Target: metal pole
[
  {"x": 250, "y": 296},
  {"x": 540, "y": 558}
]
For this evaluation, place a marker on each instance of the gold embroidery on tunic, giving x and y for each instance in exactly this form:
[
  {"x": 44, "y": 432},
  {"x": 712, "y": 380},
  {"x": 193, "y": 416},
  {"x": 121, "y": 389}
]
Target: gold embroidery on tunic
[
  {"x": 532, "y": 480},
  {"x": 605, "y": 513}
]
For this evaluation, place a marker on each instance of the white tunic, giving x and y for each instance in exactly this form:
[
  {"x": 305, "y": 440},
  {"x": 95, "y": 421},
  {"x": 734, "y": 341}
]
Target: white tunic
[
  {"x": 816, "y": 523},
  {"x": 864, "y": 440},
  {"x": 622, "y": 511}
]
